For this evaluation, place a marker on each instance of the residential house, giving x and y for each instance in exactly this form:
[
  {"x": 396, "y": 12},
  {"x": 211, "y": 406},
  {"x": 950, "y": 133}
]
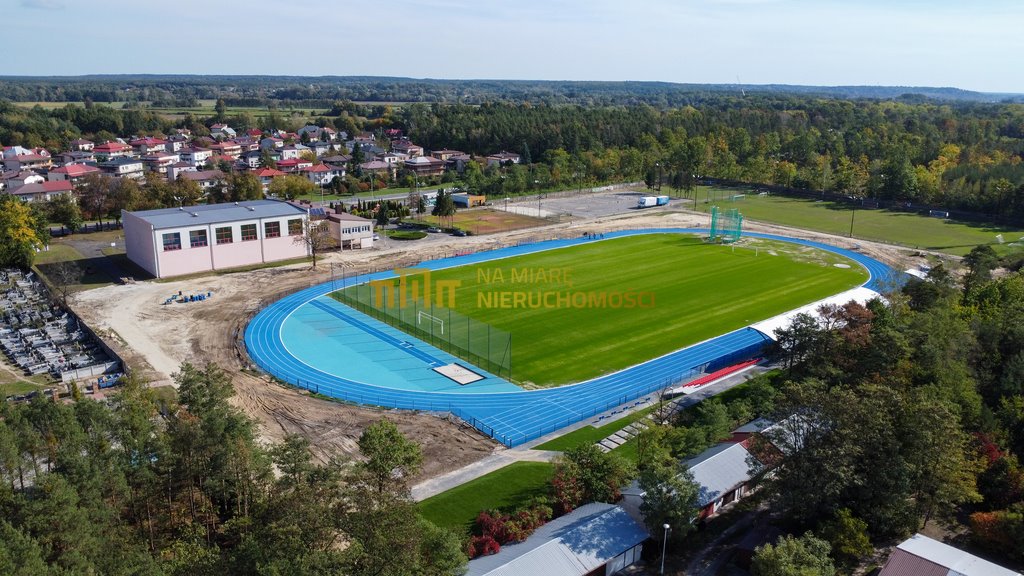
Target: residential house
[
  {"x": 19, "y": 158},
  {"x": 293, "y": 164},
  {"x": 159, "y": 161},
  {"x": 350, "y": 231},
  {"x": 458, "y": 162},
  {"x": 406, "y": 146},
  {"x": 187, "y": 240},
  {"x": 176, "y": 169},
  {"x": 111, "y": 150},
  {"x": 227, "y": 148},
  {"x": 247, "y": 143},
  {"x": 148, "y": 145},
  {"x": 271, "y": 142},
  {"x": 394, "y": 159},
  {"x": 503, "y": 159},
  {"x": 726, "y": 472},
  {"x": 73, "y": 173},
  {"x": 594, "y": 539},
  {"x": 445, "y": 155},
  {"x": 122, "y": 167},
  {"x": 363, "y": 139},
  {"x": 251, "y": 159},
  {"x": 317, "y": 133},
  {"x": 254, "y": 133},
  {"x": 82, "y": 145},
  {"x": 222, "y": 132},
  {"x": 266, "y": 176},
  {"x": 198, "y": 157},
  {"x": 293, "y": 151},
  {"x": 178, "y": 141},
  {"x": 41, "y": 191},
  {"x": 319, "y": 147},
  {"x": 321, "y": 174},
  {"x": 206, "y": 179},
  {"x": 425, "y": 166},
  {"x": 74, "y": 157},
  {"x": 338, "y": 161},
  {"x": 377, "y": 167},
  {"x": 922, "y": 556},
  {"x": 17, "y": 179}
]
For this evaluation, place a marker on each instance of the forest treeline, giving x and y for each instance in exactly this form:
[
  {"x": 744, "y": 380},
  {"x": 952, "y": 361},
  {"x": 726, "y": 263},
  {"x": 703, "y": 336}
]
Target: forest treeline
[
  {"x": 964, "y": 156},
  {"x": 185, "y": 90},
  {"x": 147, "y": 487},
  {"x": 908, "y": 412}
]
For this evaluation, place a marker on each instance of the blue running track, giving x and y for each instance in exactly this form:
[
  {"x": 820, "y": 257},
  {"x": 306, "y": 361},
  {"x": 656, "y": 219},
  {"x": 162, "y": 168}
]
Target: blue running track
[{"x": 516, "y": 417}]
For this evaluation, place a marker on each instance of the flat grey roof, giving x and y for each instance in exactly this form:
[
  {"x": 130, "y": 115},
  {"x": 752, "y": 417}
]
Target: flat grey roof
[
  {"x": 572, "y": 545},
  {"x": 720, "y": 469},
  {"x": 202, "y": 215}
]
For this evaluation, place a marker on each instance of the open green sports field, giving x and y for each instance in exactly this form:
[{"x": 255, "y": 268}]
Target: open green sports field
[
  {"x": 907, "y": 229},
  {"x": 579, "y": 312}
]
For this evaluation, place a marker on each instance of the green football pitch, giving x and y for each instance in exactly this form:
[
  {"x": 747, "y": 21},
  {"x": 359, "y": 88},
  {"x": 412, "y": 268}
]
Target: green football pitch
[{"x": 579, "y": 312}]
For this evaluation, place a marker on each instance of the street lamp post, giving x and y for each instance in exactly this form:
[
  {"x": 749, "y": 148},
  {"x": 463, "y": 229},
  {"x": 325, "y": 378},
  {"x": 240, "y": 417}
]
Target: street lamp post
[
  {"x": 664, "y": 544},
  {"x": 852, "y": 215},
  {"x": 506, "y": 203}
]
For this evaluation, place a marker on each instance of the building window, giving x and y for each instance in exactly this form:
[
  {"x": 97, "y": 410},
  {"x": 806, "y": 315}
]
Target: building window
[
  {"x": 197, "y": 238},
  {"x": 295, "y": 227},
  {"x": 272, "y": 230},
  {"x": 224, "y": 235},
  {"x": 172, "y": 241},
  {"x": 248, "y": 232}
]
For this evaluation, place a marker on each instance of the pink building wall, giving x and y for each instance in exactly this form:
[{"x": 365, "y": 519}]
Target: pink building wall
[
  {"x": 283, "y": 248},
  {"x": 145, "y": 247}
]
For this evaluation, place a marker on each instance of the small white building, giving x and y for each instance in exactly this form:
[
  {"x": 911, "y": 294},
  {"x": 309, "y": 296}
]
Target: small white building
[
  {"x": 351, "y": 231},
  {"x": 176, "y": 241}
]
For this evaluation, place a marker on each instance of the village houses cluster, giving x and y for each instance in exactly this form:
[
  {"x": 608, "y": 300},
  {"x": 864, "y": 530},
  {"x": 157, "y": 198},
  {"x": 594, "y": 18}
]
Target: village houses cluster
[
  {"x": 320, "y": 154},
  {"x": 183, "y": 240}
]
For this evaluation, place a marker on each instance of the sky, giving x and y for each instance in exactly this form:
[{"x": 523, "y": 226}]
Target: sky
[{"x": 971, "y": 45}]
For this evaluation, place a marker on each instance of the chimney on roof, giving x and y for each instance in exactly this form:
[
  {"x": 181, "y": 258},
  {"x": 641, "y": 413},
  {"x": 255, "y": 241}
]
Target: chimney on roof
[
  {"x": 194, "y": 214},
  {"x": 251, "y": 209}
]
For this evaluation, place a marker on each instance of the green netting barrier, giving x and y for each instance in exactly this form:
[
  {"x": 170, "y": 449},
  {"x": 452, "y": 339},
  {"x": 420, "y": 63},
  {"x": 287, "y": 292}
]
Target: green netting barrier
[{"x": 474, "y": 341}]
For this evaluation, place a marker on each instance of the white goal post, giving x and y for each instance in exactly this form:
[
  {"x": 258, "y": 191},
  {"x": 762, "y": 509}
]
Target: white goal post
[{"x": 421, "y": 315}]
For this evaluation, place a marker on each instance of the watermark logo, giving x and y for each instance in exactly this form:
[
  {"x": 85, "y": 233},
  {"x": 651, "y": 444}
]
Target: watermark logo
[
  {"x": 504, "y": 288},
  {"x": 552, "y": 288},
  {"x": 414, "y": 285}
]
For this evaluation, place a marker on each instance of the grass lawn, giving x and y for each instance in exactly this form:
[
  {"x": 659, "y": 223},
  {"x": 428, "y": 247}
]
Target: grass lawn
[
  {"x": 592, "y": 434},
  {"x": 81, "y": 273},
  {"x": 504, "y": 488},
  {"x": 405, "y": 234},
  {"x": 692, "y": 291},
  {"x": 12, "y": 384},
  {"x": 912, "y": 230}
]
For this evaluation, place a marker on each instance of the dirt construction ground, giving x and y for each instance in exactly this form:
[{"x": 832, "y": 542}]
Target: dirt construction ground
[{"x": 155, "y": 338}]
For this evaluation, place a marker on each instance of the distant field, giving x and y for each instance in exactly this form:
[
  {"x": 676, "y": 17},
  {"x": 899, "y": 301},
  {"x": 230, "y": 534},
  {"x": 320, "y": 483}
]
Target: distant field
[
  {"x": 205, "y": 108},
  {"x": 912, "y": 230},
  {"x": 694, "y": 291},
  {"x": 487, "y": 221}
]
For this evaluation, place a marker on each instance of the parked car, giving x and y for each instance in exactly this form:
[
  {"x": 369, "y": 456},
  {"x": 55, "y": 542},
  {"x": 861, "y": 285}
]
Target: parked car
[
  {"x": 433, "y": 229},
  {"x": 458, "y": 232}
]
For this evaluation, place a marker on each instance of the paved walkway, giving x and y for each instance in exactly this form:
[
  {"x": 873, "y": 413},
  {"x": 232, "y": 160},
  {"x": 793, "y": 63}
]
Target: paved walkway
[
  {"x": 495, "y": 461},
  {"x": 526, "y": 453}
]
